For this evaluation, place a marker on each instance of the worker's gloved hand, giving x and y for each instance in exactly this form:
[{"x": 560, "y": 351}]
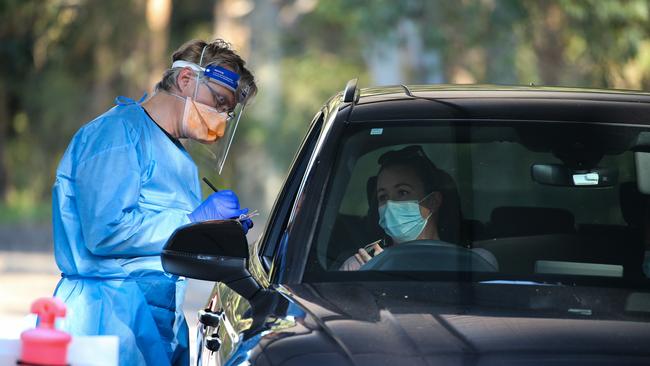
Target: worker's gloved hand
[
  {"x": 220, "y": 205},
  {"x": 246, "y": 224}
]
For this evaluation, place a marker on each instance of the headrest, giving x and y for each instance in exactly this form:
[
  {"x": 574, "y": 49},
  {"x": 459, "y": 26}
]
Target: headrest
[
  {"x": 525, "y": 221},
  {"x": 633, "y": 203}
]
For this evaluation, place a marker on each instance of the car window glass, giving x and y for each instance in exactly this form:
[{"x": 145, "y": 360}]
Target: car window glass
[
  {"x": 497, "y": 212},
  {"x": 284, "y": 202}
]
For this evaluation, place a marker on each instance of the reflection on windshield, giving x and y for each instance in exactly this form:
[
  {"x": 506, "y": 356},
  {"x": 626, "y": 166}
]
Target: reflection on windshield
[{"x": 463, "y": 198}]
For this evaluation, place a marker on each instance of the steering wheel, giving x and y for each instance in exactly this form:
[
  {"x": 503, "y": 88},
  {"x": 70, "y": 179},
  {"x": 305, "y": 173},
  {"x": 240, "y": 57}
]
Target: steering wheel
[{"x": 428, "y": 255}]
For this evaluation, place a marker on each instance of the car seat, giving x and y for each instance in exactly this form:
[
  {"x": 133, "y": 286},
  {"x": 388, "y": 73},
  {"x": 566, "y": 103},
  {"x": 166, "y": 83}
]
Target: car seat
[
  {"x": 519, "y": 236},
  {"x": 511, "y": 221}
]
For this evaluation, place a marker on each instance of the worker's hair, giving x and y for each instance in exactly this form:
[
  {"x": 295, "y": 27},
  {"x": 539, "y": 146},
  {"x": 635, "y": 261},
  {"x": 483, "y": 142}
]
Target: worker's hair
[{"x": 217, "y": 52}]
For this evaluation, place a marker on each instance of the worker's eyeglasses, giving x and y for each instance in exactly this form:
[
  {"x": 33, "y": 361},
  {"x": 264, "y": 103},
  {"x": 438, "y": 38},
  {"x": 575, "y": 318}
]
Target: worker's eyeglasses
[{"x": 220, "y": 101}]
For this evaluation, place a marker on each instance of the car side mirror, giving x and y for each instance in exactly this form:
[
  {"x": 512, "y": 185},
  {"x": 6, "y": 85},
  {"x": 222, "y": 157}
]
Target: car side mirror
[{"x": 212, "y": 251}]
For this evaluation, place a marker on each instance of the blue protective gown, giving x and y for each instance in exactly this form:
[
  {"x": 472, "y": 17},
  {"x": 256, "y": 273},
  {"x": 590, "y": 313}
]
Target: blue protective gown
[{"x": 122, "y": 187}]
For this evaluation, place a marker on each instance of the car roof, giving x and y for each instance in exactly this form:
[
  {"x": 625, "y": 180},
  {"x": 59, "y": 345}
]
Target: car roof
[{"x": 493, "y": 102}]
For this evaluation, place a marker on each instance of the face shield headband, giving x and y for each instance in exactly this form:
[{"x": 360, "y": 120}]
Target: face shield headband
[
  {"x": 229, "y": 80},
  {"x": 220, "y": 75}
]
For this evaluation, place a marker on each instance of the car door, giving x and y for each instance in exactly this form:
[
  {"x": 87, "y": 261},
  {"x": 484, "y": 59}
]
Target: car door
[
  {"x": 220, "y": 325},
  {"x": 227, "y": 314}
]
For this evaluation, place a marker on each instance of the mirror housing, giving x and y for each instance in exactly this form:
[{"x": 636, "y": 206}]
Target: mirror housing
[
  {"x": 560, "y": 175},
  {"x": 212, "y": 251}
]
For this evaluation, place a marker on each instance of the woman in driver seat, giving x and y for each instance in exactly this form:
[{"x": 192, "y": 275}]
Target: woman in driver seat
[{"x": 415, "y": 201}]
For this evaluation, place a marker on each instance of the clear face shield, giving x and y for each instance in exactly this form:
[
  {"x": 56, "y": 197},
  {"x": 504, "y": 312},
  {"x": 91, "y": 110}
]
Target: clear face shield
[{"x": 211, "y": 117}]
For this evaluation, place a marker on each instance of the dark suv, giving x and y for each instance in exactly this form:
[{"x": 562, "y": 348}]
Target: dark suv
[{"x": 451, "y": 225}]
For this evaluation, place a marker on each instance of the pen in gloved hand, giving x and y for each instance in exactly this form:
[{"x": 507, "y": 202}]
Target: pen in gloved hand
[
  {"x": 210, "y": 184},
  {"x": 241, "y": 217}
]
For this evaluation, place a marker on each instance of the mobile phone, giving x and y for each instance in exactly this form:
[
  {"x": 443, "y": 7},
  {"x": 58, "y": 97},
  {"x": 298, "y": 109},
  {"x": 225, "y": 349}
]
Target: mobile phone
[{"x": 369, "y": 248}]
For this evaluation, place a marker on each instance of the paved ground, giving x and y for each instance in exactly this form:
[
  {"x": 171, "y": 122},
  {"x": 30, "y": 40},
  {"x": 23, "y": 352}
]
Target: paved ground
[{"x": 29, "y": 274}]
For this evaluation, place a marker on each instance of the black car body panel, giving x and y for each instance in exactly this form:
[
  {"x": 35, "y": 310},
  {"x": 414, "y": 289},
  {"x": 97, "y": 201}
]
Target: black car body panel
[
  {"x": 548, "y": 104},
  {"x": 299, "y": 318},
  {"x": 388, "y": 323}
]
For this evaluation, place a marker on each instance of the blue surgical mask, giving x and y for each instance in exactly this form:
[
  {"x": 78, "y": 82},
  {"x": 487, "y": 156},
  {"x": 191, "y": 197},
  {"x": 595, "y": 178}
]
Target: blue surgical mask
[{"x": 402, "y": 219}]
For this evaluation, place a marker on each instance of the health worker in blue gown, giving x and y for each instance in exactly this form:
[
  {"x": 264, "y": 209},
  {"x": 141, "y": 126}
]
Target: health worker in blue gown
[{"x": 124, "y": 184}]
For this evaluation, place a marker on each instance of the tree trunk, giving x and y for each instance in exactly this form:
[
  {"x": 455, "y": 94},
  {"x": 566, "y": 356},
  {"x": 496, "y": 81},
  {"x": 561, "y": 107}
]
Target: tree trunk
[
  {"x": 4, "y": 125},
  {"x": 255, "y": 173},
  {"x": 158, "y": 16},
  {"x": 548, "y": 41},
  {"x": 230, "y": 24},
  {"x": 382, "y": 55}
]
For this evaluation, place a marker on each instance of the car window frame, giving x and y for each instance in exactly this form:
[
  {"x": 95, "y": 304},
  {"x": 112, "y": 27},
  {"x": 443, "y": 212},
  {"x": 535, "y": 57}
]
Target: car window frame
[
  {"x": 331, "y": 159},
  {"x": 280, "y": 211},
  {"x": 301, "y": 225}
]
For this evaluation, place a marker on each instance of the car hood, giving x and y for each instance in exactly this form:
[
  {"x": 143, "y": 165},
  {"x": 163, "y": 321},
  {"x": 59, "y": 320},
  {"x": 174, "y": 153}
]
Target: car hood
[{"x": 390, "y": 323}]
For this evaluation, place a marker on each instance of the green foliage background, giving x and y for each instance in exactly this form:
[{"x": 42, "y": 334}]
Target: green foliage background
[{"x": 63, "y": 61}]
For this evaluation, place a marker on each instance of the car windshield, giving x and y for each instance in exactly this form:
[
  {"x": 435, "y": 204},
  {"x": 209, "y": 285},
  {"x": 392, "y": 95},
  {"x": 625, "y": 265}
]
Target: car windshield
[{"x": 528, "y": 200}]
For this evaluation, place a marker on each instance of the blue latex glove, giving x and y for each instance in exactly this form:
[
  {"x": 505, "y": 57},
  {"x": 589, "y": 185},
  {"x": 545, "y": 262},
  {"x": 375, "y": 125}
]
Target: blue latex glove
[
  {"x": 246, "y": 224},
  {"x": 220, "y": 205}
]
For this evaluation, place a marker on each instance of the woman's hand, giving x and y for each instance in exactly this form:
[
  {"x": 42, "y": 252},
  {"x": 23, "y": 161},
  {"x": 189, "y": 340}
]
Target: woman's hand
[{"x": 362, "y": 255}]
